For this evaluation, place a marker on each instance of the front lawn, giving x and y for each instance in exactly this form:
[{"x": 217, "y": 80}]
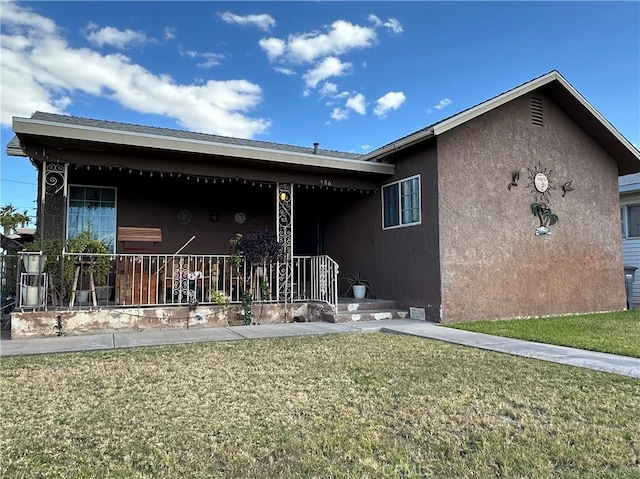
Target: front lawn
[
  {"x": 351, "y": 405},
  {"x": 617, "y": 333}
]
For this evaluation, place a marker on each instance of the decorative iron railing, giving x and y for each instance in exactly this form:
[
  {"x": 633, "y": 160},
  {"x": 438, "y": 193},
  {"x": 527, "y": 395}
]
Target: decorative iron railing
[{"x": 97, "y": 280}]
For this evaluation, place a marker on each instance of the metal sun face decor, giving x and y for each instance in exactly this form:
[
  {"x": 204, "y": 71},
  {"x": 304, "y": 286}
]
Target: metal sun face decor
[{"x": 540, "y": 183}]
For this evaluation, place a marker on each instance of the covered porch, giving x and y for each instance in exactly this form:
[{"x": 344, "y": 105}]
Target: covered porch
[{"x": 196, "y": 193}]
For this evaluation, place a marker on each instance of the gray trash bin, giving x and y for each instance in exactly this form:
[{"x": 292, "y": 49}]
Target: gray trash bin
[{"x": 629, "y": 278}]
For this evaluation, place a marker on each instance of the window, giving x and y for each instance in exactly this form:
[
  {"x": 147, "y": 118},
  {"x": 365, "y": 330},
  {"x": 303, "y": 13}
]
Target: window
[
  {"x": 631, "y": 221},
  {"x": 93, "y": 208},
  {"x": 401, "y": 203}
]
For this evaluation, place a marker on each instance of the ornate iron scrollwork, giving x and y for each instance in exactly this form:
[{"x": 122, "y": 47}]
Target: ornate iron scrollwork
[
  {"x": 284, "y": 198},
  {"x": 53, "y": 199}
]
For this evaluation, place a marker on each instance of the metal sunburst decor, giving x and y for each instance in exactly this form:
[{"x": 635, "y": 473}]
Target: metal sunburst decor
[{"x": 540, "y": 183}]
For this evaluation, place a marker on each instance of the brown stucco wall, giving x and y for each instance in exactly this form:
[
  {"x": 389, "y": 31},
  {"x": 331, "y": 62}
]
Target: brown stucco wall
[
  {"x": 402, "y": 264},
  {"x": 493, "y": 265}
]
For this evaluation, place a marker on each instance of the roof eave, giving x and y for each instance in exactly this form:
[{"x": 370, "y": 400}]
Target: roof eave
[
  {"x": 29, "y": 126},
  {"x": 467, "y": 115},
  {"x": 399, "y": 145}
]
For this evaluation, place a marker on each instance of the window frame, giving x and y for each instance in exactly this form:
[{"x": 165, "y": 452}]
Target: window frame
[
  {"x": 115, "y": 210},
  {"x": 399, "y": 205},
  {"x": 624, "y": 220}
]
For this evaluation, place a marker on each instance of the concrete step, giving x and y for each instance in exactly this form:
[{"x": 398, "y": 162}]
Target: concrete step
[
  {"x": 350, "y": 305},
  {"x": 365, "y": 315}
]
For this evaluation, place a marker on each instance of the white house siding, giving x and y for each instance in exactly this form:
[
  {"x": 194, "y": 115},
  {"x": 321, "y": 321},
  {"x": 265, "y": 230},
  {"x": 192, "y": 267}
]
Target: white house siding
[{"x": 630, "y": 194}]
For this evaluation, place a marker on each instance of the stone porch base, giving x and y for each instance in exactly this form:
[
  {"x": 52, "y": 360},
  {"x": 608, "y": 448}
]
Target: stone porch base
[{"x": 34, "y": 324}]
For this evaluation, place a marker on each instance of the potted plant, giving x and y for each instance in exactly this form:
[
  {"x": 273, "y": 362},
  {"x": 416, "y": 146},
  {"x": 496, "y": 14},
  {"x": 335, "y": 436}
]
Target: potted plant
[
  {"x": 51, "y": 249},
  {"x": 92, "y": 255},
  {"x": 259, "y": 248},
  {"x": 358, "y": 284}
]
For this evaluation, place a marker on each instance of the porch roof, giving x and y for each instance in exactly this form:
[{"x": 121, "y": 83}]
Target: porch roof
[
  {"x": 62, "y": 129},
  {"x": 561, "y": 92}
]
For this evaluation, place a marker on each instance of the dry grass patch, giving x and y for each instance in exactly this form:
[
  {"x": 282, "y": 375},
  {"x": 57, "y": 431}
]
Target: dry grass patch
[{"x": 360, "y": 405}]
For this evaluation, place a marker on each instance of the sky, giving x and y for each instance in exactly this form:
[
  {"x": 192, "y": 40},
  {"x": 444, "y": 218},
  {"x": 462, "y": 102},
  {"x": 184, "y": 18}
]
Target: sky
[{"x": 352, "y": 76}]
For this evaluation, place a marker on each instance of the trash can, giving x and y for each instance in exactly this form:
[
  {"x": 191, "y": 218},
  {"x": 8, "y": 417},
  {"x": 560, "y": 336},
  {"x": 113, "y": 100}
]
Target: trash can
[{"x": 629, "y": 278}]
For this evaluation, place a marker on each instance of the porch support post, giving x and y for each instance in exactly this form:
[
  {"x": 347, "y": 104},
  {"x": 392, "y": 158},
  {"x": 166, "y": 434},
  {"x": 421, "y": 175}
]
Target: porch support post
[
  {"x": 53, "y": 200},
  {"x": 284, "y": 226}
]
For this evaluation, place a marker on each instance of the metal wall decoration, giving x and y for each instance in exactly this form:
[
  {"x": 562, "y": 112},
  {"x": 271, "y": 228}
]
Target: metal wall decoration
[
  {"x": 540, "y": 184},
  {"x": 284, "y": 220},
  {"x": 566, "y": 188}
]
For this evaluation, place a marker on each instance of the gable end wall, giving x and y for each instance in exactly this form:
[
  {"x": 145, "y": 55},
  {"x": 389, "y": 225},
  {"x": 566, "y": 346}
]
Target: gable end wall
[{"x": 492, "y": 263}]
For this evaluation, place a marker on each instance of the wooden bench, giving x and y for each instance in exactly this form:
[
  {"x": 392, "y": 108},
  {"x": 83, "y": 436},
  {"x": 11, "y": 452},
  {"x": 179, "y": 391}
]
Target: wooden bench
[{"x": 137, "y": 234}]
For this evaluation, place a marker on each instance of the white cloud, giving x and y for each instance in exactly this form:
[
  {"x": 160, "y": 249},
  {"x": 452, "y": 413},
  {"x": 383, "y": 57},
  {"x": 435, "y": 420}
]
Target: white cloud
[
  {"x": 328, "y": 67},
  {"x": 365, "y": 147},
  {"x": 114, "y": 37},
  {"x": 375, "y": 20},
  {"x": 357, "y": 103},
  {"x": 442, "y": 103},
  {"x": 284, "y": 71},
  {"x": 274, "y": 47},
  {"x": 392, "y": 23},
  {"x": 263, "y": 21},
  {"x": 40, "y": 71},
  {"x": 210, "y": 59},
  {"x": 308, "y": 47},
  {"x": 390, "y": 101},
  {"x": 328, "y": 89},
  {"x": 339, "y": 114},
  {"x": 169, "y": 33}
]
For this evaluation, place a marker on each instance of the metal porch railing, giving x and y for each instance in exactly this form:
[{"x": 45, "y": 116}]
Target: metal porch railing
[{"x": 98, "y": 280}]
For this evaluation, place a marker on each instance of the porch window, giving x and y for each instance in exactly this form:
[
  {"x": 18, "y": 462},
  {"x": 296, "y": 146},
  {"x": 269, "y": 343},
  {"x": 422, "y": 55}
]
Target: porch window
[
  {"x": 401, "y": 203},
  {"x": 630, "y": 215},
  {"x": 93, "y": 208}
]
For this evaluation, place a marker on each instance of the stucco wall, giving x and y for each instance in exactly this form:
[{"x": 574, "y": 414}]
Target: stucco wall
[
  {"x": 401, "y": 264},
  {"x": 493, "y": 265}
]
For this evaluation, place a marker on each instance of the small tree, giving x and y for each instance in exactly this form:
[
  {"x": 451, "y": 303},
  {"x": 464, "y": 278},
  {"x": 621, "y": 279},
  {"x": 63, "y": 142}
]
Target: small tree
[{"x": 10, "y": 218}]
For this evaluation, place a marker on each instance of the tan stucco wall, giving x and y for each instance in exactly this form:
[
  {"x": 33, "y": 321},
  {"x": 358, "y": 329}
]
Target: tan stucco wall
[{"x": 492, "y": 264}]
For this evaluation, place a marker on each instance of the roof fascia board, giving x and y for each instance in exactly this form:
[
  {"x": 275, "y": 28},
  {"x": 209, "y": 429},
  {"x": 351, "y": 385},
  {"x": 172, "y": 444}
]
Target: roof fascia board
[
  {"x": 600, "y": 118},
  {"x": 30, "y": 126},
  {"x": 633, "y": 187},
  {"x": 400, "y": 144},
  {"x": 15, "y": 152},
  {"x": 489, "y": 105}
]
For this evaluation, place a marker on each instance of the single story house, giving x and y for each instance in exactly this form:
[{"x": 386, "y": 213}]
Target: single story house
[
  {"x": 507, "y": 209},
  {"x": 630, "y": 221}
]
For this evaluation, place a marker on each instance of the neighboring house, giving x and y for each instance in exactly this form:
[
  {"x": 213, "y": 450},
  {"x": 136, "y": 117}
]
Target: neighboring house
[
  {"x": 630, "y": 217},
  {"x": 452, "y": 220}
]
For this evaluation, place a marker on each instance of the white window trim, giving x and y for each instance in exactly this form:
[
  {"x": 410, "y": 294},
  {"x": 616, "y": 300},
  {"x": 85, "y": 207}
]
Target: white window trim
[
  {"x": 115, "y": 230},
  {"x": 398, "y": 182},
  {"x": 625, "y": 218}
]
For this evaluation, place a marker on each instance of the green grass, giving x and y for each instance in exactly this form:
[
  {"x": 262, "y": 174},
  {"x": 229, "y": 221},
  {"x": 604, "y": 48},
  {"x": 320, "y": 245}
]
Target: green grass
[
  {"x": 617, "y": 333},
  {"x": 358, "y": 405}
]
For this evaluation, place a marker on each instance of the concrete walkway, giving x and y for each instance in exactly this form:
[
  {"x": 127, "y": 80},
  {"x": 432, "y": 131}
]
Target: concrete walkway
[{"x": 610, "y": 363}]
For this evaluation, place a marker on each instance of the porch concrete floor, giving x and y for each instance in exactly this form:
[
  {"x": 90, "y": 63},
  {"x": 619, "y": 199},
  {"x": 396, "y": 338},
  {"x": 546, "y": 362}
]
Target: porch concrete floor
[{"x": 609, "y": 363}]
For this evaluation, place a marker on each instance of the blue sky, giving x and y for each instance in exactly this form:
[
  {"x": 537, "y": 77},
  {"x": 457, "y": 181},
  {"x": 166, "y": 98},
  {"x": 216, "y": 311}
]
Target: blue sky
[{"x": 350, "y": 75}]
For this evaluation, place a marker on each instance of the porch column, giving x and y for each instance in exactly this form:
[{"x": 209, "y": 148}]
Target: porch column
[
  {"x": 53, "y": 201},
  {"x": 284, "y": 227}
]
